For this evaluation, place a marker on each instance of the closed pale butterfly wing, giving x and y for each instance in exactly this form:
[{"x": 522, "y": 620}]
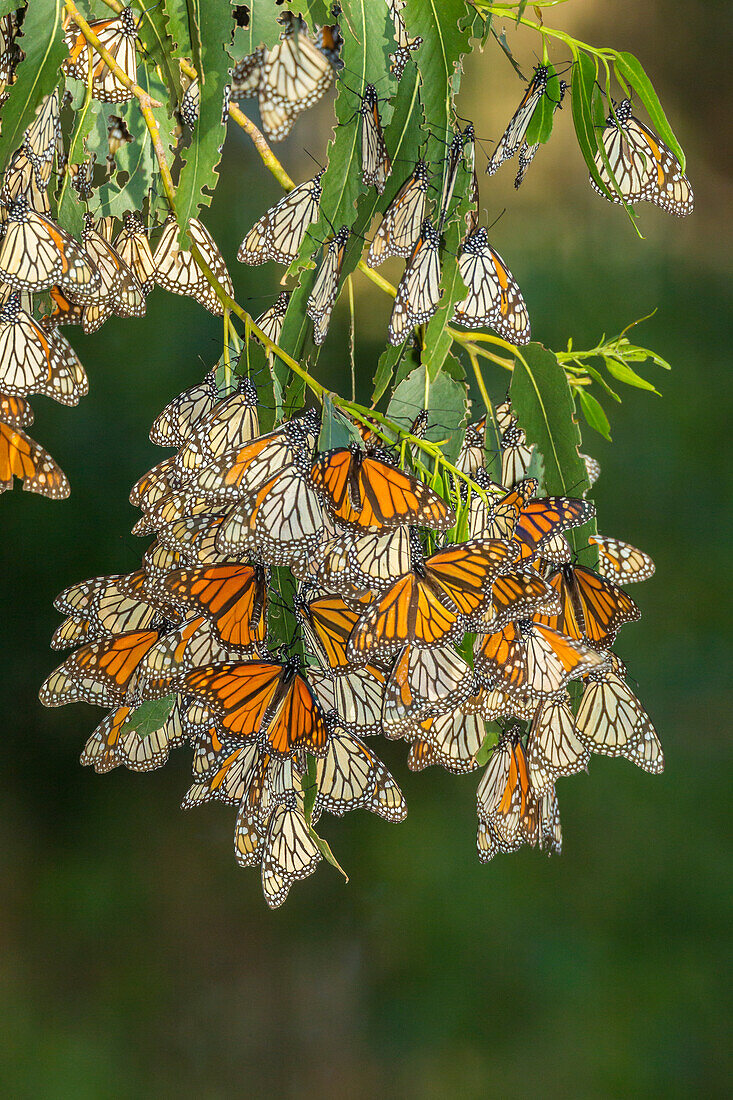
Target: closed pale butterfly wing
[
  {"x": 400, "y": 227},
  {"x": 279, "y": 233},
  {"x": 612, "y": 721},
  {"x": 419, "y": 290},
  {"x": 554, "y": 747},
  {"x": 494, "y": 298}
]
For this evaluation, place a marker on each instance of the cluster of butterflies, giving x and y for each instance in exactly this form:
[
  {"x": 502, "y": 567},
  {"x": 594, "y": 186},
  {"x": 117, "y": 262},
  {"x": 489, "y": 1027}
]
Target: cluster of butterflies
[
  {"x": 44, "y": 268},
  {"x": 390, "y": 623},
  {"x": 494, "y": 298}
]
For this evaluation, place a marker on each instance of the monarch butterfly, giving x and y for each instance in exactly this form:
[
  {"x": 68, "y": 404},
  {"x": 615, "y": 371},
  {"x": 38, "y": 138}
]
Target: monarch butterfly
[
  {"x": 119, "y": 293},
  {"x": 175, "y": 423},
  {"x": 620, "y": 562},
  {"x": 191, "y": 104},
  {"x": 363, "y": 491},
  {"x": 10, "y": 53},
  {"x": 271, "y": 321},
  {"x": 279, "y": 233},
  {"x": 154, "y": 484},
  {"x": 356, "y": 696},
  {"x": 233, "y": 597},
  {"x": 244, "y": 466},
  {"x": 35, "y": 361},
  {"x": 22, "y": 457},
  {"x": 429, "y": 605},
  {"x": 228, "y": 426},
  {"x": 419, "y": 290},
  {"x": 230, "y": 775},
  {"x": 469, "y": 142},
  {"x": 100, "y": 672},
  {"x": 532, "y": 659},
  {"x": 119, "y": 37},
  {"x": 194, "y": 644},
  {"x": 612, "y": 721},
  {"x": 246, "y": 75},
  {"x": 645, "y": 169},
  {"x": 505, "y": 799},
  {"x": 472, "y": 453},
  {"x": 554, "y": 747},
  {"x": 43, "y": 136},
  {"x": 353, "y": 564},
  {"x": 23, "y": 179},
  {"x": 193, "y": 539},
  {"x": 375, "y": 163},
  {"x": 325, "y": 289},
  {"x": 513, "y": 136},
  {"x": 539, "y": 520},
  {"x": 517, "y": 595},
  {"x": 100, "y": 608},
  {"x": 592, "y": 608},
  {"x": 282, "y": 521},
  {"x": 217, "y": 437},
  {"x": 35, "y": 253},
  {"x": 294, "y": 75},
  {"x": 494, "y": 297},
  {"x": 528, "y": 152},
  {"x": 133, "y": 248},
  {"x": 327, "y": 623},
  {"x": 448, "y": 740},
  {"x": 516, "y": 455},
  {"x": 289, "y": 853},
  {"x": 176, "y": 269},
  {"x": 453, "y": 160},
  {"x": 111, "y": 744},
  {"x": 400, "y": 227},
  {"x": 423, "y": 683},
  {"x": 15, "y": 411},
  {"x": 350, "y": 776},
  {"x": 263, "y": 698},
  {"x": 405, "y": 44}
]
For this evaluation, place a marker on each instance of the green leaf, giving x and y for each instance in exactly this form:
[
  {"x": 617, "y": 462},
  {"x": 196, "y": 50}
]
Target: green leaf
[
  {"x": 176, "y": 13},
  {"x": 149, "y": 716},
  {"x": 367, "y": 41},
  {"x": 37, "y": 75},
  {"x": 631, "y": 69},
  {"x": 543, "y": 404},
  {"x": 598, "y": 377},
  {"x": 325, "y": 849},
  {"x": 437, "y": 340},
  {"x": 152, "y": 28},
  {"x": 583, "y": 81},
  {"x": 540, "y": 125},
  {"x": 336, "y": 430},
  {"x": 6, "y": 6},
  {"x": 594, "y": 414},
  {"x": 388, "y": 360},
  {"x": 199, "y": 175},
  {"x": 263, "y": 29},
  {"x": 316, "y": 13},
  {"x": 255, "y": 363},
  {"x": 446, "y": 34},
  {"x": 618, "y": 369},
  {"x": 445, "y": 400},
  {"x": 194, "y": 27},
  {"x": 136, "y": 162},
  {"x": 487, "y": 745}
]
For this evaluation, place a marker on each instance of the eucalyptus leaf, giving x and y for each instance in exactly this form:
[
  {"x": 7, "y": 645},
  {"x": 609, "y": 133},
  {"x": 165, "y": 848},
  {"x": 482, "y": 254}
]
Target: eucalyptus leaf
[
  {"x": 149, "y": 716},
  {"x": 336, "y": 430},
  {"x": 42, "y": 41},
  {"x": 633, "y": 71},
  {"x": 444, "y": 399},
  {"x": 594, "y": 414},
  {"x": 624, "y": 373},
  {"x": 199, "y": 175},
  {"x": 491, "y": 739}
]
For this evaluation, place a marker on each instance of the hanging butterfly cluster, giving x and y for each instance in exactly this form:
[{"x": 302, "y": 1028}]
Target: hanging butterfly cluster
[
  {"x": 299, "y": 597},
  {"x": 397, "y": 627},
  {"x": 44, "y": 267}
]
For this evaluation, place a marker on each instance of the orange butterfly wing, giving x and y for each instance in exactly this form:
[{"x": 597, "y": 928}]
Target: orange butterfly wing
[
  {"x": 410, "y": 611},
  {"x": 297, "y": 721},
  {"x": 239, "y": 693},
  {"x": 232, "y": 596},
  {"x": 548, "y": 516},
  {"x": 22, "y": 457},
  {"x": 465, "y": 572}
]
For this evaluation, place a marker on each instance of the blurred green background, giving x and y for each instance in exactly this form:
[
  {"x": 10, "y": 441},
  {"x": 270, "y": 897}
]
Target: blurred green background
[{"x": 138, "y": 960}]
